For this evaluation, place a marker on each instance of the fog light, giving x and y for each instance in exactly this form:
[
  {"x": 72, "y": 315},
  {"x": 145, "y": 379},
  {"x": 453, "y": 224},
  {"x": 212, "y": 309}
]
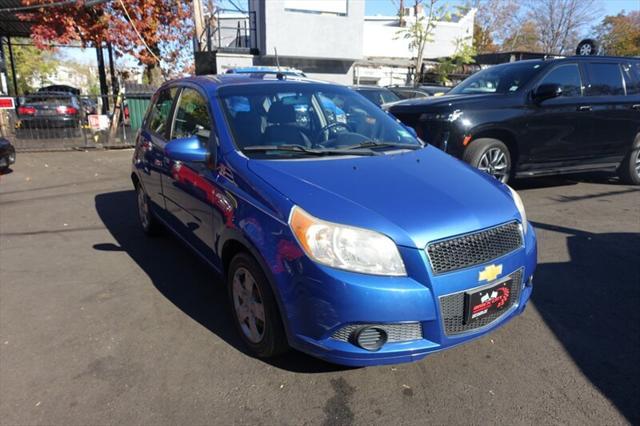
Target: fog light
[{"x": 371, "y": 338}]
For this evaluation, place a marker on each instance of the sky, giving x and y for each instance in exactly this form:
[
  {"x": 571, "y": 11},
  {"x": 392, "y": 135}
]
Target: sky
[
  {"x": 610, "y": 7},
  {"x": 372, "y": 7}
]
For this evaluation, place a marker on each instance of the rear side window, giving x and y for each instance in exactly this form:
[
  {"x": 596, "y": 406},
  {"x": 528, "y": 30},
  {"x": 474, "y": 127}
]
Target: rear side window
[
  {"x": 157, "y": 121},
  {"x": 631, "y": 79},
  {"x": 192, "y": 116},
  {"x": 567, "y": 77},
  {"x": 604, "y": 80}
]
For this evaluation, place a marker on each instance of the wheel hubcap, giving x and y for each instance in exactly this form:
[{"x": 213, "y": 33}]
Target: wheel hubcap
[
  {"x": 143, "y": 209},
  {"x": 585, "y": 50},
  {"x": 638, "y": 163},
  {"x": 248, "y": 305},
  {"x": 494, "y": 162}
]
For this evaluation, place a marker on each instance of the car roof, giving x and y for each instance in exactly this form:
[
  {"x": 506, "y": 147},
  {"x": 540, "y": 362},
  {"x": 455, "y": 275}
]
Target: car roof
[
  {"x": 366, "y": 87},
  {"x": 218, "y": 81}
]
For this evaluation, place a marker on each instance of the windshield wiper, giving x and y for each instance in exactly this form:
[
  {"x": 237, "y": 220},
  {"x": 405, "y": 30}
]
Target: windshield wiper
[
  {"x": 375, "y": 144},
  {"x": 306, "y": 151}
]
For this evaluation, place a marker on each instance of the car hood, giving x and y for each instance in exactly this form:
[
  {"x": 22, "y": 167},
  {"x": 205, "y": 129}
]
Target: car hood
[
  {"x": 414, "y": 197},
  {"x": 440, "y": 101}
]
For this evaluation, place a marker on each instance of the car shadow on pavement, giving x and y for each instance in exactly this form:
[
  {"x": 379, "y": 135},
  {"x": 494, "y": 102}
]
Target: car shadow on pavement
[
  {"x": 181, "y": 277},
  {"x": 591, "y": 305}
]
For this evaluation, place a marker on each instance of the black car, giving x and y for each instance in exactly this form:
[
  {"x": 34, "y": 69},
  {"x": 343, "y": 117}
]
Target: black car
[
  {"x": 376, "y": 94},
  {"x": 7, "y": 154},
  {"x": 49, "y": 110},
  {"x": 538, "y": 117},
  {"x": 424, "y": 91}
]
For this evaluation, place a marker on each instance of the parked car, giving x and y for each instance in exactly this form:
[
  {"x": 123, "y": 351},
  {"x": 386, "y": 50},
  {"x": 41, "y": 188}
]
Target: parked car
[
  {"x": 434, "y": 90},
  {"x": 350, "y": 241},
  {"x": 376, "y": 94},
  {"x": 7, "y": 154},
  {"x": 411, "y": 92},
  {"x": 267, "y": 70},
  {"x": 49, "y": 110},
  {"x": 537, "y": 117}
]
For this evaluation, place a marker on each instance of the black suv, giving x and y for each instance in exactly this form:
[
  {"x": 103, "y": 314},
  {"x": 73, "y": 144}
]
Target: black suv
[{"x": 538, "y": 117}]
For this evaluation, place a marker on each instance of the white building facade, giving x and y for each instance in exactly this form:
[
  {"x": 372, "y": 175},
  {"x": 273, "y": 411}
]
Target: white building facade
[{"x": 335, "y": 41}]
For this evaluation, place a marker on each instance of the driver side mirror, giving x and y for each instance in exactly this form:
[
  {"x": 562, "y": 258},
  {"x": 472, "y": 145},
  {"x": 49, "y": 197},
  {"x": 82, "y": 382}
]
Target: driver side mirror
[
  {"x": 546, "y": 91},
  {"x": 188, "y": 149}
]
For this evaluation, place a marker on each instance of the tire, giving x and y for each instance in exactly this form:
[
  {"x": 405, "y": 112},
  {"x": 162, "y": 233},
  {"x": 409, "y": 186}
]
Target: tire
[
  {"x": 629, "y": 170},
  {"x": 148, "y": 222},
  {"x": 587, "y": 47},
  {"x": 254, "y": 308},
  {"x": 491, "y": 156}
]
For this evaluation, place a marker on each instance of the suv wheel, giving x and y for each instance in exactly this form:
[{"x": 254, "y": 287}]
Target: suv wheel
[
  {"x": 254, "y": 307},
  {"x": 148, "y": 222},
  {"x": 490, "y": 156},
  {"x": 629, "y": 170}
]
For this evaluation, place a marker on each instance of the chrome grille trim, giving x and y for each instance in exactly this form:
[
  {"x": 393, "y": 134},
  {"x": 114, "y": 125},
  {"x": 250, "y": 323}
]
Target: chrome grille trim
[
  {"x": 473, "y": 249},
  {"x": 402, "y": 332},
  {"x": 452, "y": 307}
]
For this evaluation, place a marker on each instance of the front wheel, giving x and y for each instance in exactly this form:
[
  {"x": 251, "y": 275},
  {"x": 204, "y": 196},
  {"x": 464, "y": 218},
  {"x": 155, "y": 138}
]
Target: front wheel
[
  {"x": 491, "y": 156},
  {"x": 629, "y": 170},
  {"x": 255, "y": 311}
]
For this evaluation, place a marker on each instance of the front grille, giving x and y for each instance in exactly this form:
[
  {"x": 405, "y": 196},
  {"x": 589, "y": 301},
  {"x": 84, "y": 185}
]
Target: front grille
[
  {"x": 452, "y": 309},
  {"x": 395, "y": 332},
  {"x": 474, "y": 249}
]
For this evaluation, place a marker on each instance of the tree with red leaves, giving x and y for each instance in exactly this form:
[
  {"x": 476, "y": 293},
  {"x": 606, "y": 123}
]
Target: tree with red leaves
[{"x": 156, "y": 32}]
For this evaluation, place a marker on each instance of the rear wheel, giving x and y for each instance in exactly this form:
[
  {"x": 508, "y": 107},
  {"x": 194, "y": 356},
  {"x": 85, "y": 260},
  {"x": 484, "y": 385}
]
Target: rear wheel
[
  {"x": 491, "y": 156},
  {"x": 255, "y": 311},
  {"x": 629, "y": 170},
  {"x": 148, "y": 222}
]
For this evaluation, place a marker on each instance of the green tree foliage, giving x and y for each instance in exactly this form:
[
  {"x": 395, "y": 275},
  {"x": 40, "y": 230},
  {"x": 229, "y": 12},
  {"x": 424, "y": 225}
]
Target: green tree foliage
[
  {"x": 465, "y": 54},
  {"x": 419, "y": 31},
  {"x": 33, "y": 66},
  {"x": 620, "y": 34}
]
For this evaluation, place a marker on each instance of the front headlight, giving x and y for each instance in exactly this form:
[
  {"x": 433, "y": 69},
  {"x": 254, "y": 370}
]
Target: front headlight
[
  {"x": 346, "y": 247},
  {"x": 520, "y": 206}
]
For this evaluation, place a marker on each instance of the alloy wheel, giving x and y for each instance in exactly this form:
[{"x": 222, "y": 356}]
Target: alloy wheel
[
  {"x": 494, "y": 162},
  {"x": 585, "y": 49},
  {"x": 247, "y": 302},
  {"x": 143, "y": 209},
  {"x": 638, "y": 163}
]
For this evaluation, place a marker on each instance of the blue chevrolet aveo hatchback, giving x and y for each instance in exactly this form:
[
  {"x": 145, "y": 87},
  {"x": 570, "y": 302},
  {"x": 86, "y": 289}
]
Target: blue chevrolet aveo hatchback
[{"x": 338, "y": 232}]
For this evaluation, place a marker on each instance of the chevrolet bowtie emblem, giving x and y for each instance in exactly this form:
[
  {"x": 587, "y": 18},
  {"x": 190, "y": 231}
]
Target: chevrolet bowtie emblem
[{"x": 490, "y": 273}]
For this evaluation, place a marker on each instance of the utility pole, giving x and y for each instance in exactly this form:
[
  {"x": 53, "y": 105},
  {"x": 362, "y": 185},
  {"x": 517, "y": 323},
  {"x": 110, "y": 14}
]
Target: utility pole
[{"x": 198, "y": 20}]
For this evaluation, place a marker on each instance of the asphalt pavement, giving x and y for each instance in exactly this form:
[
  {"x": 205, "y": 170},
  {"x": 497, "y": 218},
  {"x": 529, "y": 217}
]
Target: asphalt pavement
[{"x": 101, "y": 325}]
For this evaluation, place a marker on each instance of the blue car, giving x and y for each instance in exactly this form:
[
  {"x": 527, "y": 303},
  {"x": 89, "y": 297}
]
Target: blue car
[{"x": 337, "y": 231}]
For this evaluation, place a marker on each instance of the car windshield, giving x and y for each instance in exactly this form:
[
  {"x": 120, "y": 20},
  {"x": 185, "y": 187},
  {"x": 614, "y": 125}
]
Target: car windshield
[
  {"x": 379, "y": 96},
  {"x": 498, "y": 79},
  {"x": 299, "y": 119}
]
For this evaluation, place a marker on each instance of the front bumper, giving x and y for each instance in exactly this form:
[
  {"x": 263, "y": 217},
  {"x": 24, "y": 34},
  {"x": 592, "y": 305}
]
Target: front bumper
[{"x": 324, "y": 300}]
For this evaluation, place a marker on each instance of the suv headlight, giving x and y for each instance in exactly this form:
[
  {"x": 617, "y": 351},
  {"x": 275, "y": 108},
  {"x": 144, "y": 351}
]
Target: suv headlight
[
  {"x": 346, "y": 247},
  {"x": 518, "y": 201}
]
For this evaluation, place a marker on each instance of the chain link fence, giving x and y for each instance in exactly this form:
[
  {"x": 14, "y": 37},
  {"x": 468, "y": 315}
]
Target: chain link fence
[{"x": 46, "y": 121}]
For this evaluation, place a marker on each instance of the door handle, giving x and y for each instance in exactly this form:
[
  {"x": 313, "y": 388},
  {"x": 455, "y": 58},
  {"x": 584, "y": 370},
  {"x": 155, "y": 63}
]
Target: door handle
[
  {"x": 584, "y": 108},
  {"x": 636, "y": 106}
]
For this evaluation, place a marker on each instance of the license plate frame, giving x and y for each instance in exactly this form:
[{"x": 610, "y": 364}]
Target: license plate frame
[{"x": 487, "y": 300}]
